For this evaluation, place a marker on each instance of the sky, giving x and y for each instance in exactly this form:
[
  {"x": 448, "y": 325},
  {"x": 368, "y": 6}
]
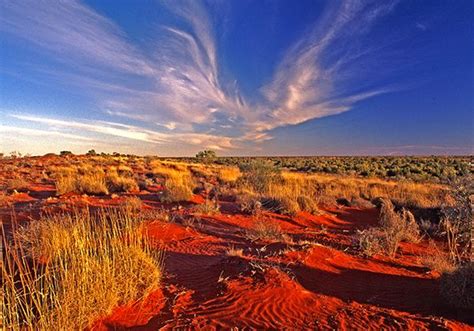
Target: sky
[{"x": 241, "y": 77}]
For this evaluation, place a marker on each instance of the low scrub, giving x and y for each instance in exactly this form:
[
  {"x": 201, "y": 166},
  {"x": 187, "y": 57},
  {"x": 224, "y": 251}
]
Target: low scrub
[
  {"x": 371, "y": 241},
  {"x": 66, "y": 271}
]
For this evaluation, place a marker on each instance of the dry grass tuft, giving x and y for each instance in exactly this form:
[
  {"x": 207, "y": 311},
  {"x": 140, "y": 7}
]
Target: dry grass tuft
[
  {"x": 132, "y": 204},
  {"x": 66, "y": 271},
  {"x": 92, "y": 180},
  {"x": 121, "y": 182},
  {"x": 438, "y": 262},
  {"x": 307, "y": 204},
  {"x": 266, "y": 229},
  {"x": 399, "y": 224},
  {"x": 178, "y": 181}
]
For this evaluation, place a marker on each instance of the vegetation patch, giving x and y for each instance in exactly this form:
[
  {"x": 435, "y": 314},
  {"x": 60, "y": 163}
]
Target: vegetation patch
[
  {"x": 65, "y": 271},
  {"x": 394, "y": 227}
]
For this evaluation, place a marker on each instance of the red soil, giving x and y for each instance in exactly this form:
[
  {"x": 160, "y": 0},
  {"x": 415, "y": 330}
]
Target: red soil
[{"x": 317, "y": 281}]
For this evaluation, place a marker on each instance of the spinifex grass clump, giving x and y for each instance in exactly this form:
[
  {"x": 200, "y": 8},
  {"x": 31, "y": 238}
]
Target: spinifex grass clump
[
  {"x": 64, "y": 272},
  {"x": 178, "y": 182},
  {"x": 92, "y": 180}
]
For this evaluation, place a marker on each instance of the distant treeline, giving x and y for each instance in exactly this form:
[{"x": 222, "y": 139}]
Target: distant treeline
[{"x": 431, "y": 168}]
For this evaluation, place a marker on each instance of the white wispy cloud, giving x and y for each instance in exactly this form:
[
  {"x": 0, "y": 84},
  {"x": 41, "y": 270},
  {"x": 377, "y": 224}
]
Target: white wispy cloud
[
  {"x": 103, "y": 128},
  {"x": 73, "y": 32},
  {"x": 310, "y": 82},
  {"x": 40, "y": 133},
  {"x": 178, "y": 85}
]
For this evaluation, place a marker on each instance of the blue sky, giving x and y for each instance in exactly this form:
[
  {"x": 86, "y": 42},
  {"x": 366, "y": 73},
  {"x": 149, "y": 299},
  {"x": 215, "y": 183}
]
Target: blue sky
[{"x": 241, "y": 77}]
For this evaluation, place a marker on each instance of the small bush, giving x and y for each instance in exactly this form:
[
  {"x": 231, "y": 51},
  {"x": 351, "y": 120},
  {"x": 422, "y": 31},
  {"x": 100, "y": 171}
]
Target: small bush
[
  {"x": 457, "y": 287},
  {"x": 401, "y": 224},
  {"x": 207, "y": 156},
  {"x": 457, "y": 219},
  {"x": 371, "y": 241},
  {"x": 394, "y": 228},
  {"x": 249, "y": 203}
]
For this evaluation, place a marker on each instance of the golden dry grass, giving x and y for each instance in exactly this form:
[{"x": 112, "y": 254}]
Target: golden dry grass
[
  {"x": 334, "y": 187},
  {"x": 120, "y": 182},
  {"x": 178, "y": 181},
  {"x": 66, "y": 271},
  {"x": 92, "y": 180},
  {"x": 228, "y": 174},
  {"x": 438, "y": 261}
]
